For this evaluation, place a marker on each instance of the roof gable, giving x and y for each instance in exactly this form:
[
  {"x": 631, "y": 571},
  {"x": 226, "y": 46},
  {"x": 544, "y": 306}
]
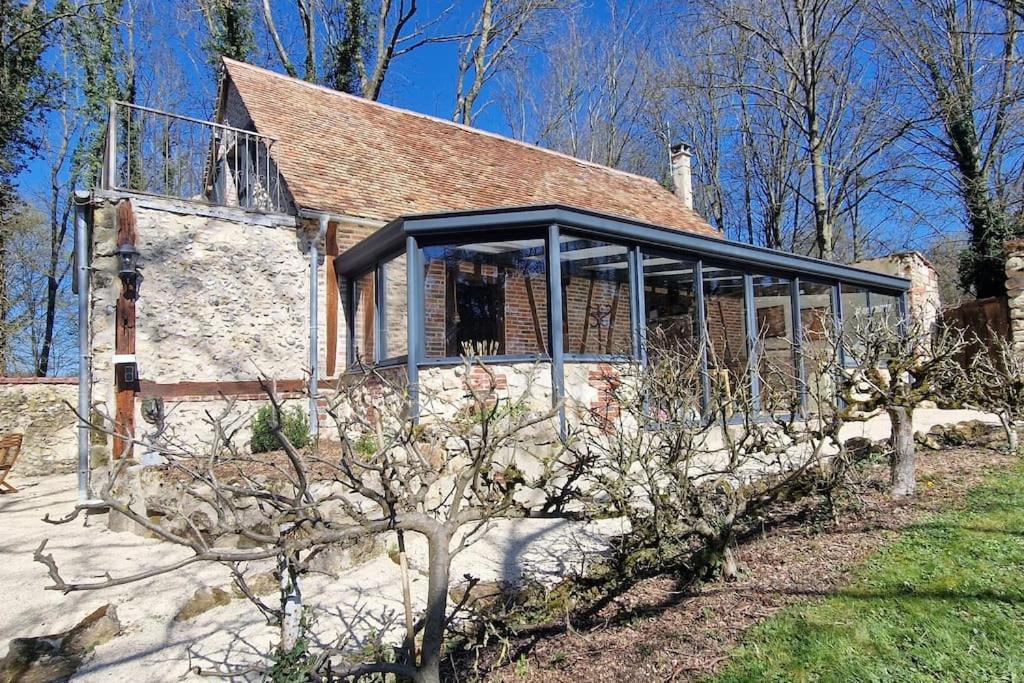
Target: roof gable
[{"x": 344, "y": 154}]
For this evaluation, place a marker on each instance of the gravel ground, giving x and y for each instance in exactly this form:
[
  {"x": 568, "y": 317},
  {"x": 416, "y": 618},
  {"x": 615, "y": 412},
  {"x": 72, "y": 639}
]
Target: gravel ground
[{"x": 152, "y": 647}]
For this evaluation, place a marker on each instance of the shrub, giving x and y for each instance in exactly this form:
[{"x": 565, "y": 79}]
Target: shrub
[{"x": 294, "y": 423}]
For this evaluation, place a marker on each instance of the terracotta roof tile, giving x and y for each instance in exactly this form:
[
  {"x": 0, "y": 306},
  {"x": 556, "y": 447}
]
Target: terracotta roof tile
[{"x": 345, "y": 154}]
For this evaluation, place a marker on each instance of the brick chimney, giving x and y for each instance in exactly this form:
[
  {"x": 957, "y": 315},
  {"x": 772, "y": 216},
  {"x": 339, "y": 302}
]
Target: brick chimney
[{"x": 682, "y": 181}]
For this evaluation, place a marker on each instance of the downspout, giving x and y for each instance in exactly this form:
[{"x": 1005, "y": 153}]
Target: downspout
[
  {"x": 314, "y": 309},
  {"x": 84, "y": 357}
]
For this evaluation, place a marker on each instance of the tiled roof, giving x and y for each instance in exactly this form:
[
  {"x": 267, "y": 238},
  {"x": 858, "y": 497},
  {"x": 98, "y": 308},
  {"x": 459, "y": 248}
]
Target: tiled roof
[{"x": 344, "y": 154}]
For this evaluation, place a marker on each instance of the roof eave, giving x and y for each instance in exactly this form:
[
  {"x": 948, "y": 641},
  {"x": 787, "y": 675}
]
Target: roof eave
[{"x": 390, "y": 239}]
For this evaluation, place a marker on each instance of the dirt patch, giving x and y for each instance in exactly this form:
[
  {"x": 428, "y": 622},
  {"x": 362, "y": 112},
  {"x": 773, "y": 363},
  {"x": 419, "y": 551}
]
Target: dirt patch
[{"x": 658, "y": 630}]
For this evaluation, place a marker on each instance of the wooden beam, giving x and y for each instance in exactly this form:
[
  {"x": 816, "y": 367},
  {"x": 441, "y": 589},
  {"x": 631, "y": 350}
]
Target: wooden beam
[
  {"x": 333, "y": 295},
  {"x": 126, "y": 384},
  {"x": 215, "y": 389}
]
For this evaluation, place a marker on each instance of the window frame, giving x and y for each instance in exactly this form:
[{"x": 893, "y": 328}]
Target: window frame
[
  {"x": 486, "y": 226},
  {"x": 634, "y": 354}
]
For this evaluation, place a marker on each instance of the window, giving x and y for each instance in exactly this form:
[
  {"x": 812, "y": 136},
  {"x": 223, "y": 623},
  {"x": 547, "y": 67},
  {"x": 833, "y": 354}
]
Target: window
[
  {"x": 595, "y": 298},
  {"x": 776, "y": 359},
  {"x": 364, "y": 319},
  {"x": 670, "y": 303},
  {"x": 672, "y": 327},
  {"x": 817, "y": 326},
  {"x": 487, "y": 297},
  {"x": 862, "y": 308},
  {"x": 396, "y": 308},
  {"x": 726, "y": 334}
]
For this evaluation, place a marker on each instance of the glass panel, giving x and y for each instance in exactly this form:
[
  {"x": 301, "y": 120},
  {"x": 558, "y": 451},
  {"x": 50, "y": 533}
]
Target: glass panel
[
  {"x": 886, "y": 306},
  {"x": 817, "y": 325},
  {"x": 672, "y": 327},
  {"x": 855, "y": 316},
  {"x": 363, "y": 319},
  {"x": 859, "y": 307},
  {"x": 595, "y": 298},
  {"x": 773, "y": 315},
  {"x": 670, "y": 307},
  {"x": 727, "y": 333},
  {"x": 396, "y": 305},
  {"x": 489, "y": 296}
]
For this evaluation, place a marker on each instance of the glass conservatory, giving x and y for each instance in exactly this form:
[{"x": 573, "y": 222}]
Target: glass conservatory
[{"x": 571, "y": 287}]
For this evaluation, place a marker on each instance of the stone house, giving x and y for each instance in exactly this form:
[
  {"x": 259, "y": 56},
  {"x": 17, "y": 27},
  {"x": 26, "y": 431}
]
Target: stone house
[{"x": 279, "y": 239}]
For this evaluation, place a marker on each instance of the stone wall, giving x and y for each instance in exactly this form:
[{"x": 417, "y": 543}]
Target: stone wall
[
  {"x": 1015, "y": 292},
  {"x": 443, "y": 389},
  {"x": 39, "y": 408},
  {"x": 225, "y": 299},
  {"x": 923, "y": 298}
]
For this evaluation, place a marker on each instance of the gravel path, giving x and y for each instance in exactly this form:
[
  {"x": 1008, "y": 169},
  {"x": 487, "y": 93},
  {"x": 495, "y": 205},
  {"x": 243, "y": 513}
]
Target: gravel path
[{"x": 152, "y": 647}]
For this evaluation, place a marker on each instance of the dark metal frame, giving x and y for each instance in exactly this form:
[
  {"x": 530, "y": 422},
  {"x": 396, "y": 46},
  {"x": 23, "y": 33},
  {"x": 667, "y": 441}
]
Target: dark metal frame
[{"x": 410, "y": 234}]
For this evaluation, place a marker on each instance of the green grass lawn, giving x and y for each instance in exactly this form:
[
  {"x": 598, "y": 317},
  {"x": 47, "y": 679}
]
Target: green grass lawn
[{"x": 944, "y": 602}]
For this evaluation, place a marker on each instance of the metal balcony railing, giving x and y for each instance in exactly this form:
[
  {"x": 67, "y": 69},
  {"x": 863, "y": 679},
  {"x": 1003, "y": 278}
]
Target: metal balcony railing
[{"x": 169, "y": 155}]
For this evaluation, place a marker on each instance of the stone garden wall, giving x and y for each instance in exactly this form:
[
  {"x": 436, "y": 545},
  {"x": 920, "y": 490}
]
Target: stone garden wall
[
  {"x": 1015, "y": 291},
  {"x": 38, "y": 409}
]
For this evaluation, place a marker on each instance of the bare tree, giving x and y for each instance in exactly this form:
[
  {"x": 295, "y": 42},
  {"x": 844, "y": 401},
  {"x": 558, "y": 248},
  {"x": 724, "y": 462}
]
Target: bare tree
[
  {"x": 307, "y": 20},
  {"x": 962, "y": 59},
  {"x": 500, "y": 27},
  {"x": 444, "y": 476},
  {"x": 690, "y": 474},
  {"x": 997, "y": 384},
  {"x": 597, "y": 94},
  {"x": 364, "y": 38},
  {"x": 813, "y": 58},
  {"x": 747, "y": 147},
  {"x": 890, "y": 366}
]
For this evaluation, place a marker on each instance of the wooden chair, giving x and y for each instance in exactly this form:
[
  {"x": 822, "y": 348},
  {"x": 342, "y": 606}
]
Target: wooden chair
[{"x": 10, "y": 447}]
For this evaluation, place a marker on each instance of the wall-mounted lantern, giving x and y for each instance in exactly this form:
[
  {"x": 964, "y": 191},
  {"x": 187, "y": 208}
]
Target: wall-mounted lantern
[{"x": 128, "y": 269}]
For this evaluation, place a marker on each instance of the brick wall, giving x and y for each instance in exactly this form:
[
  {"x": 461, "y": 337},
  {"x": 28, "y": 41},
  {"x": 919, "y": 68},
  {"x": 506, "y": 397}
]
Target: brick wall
[
  {"x": 397, "y": 303},
  {"x": 434, "y": 316},
  {"x": 597, "y": 316},
  {"x": 726, "y": 328},
  {"x": 522, "y": 319},
  {"x": 526, "y": 317}
]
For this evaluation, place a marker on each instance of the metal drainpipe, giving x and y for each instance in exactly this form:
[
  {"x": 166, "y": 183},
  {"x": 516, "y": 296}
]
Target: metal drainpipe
[
  {"x": 84, "y": 357},
  {"x": 314, "y": 309}
]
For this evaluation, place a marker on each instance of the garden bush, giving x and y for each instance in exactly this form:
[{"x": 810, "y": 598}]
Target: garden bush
[{"x": 294, "y": 423}]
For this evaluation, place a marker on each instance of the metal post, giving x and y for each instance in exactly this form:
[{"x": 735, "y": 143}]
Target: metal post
[
  {"x": 838, "y": 315},
  {"x": 753, "y": 352},
  {"x": 637, "y": 305},
  {"x": 380, "y": 330},
  {"x": 314, "y": 344},
  {"x": 702, "y": 330},
  {"x": 554, "y": 252},
  {"x": 798, "y": 340},
  {"x": 350, "y": 328},
  {"x": 110, "y": 174},
  {"x": 84, "y": 357},
  {"x": 414, "y": 321}
]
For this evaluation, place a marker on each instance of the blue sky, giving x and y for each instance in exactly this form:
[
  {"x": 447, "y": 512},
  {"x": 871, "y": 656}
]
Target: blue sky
[{"x": 423, "y": 80}]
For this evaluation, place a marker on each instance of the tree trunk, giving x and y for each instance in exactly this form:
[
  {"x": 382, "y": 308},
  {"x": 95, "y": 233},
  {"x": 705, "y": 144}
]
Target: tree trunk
[
  {"x": 1012, "y": 439},
  {"x": 43, "y": 365},
  {"x": 822, "y": 221},
  {"x": 437, "y": 606},
  {"x": 5, "y": 308},
  {"x": 904, "y": 454},
  {"x": 291, "y": 599}
]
